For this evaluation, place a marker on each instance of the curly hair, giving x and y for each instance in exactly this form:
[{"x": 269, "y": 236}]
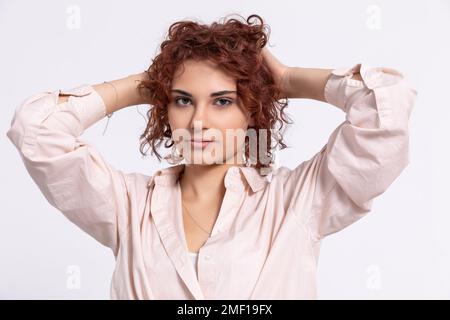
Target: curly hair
[{"x": 235, "y": 47}]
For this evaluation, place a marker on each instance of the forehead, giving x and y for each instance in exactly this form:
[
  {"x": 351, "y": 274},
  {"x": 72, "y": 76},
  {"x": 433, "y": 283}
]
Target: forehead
[{"x": 202, "y": 75}]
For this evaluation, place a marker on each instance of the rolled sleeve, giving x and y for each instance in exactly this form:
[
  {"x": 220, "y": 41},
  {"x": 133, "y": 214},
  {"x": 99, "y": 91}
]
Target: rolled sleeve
[
  {"x": 362, "y": 156},
  {"x": 70, "y": 172}
]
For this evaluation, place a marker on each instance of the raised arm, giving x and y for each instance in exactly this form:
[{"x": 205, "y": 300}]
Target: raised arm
[
  {"x": 127, "y": 92},
  {"x": 362, "y": 156},
  {"x": 46, "y": 129},
  {"x": 298, "y": 82}
]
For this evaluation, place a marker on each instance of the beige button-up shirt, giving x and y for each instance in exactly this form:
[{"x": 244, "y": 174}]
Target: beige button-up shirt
[{"x": 265, "y": 242}]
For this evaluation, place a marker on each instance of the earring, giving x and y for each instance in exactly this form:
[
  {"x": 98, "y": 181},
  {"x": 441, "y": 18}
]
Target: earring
[
  {"x": 175, "y": 156},
  {"x": 247, "y": 161}
]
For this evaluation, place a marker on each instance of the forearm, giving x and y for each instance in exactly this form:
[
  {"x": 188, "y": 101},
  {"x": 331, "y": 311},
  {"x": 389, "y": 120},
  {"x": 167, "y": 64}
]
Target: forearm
[
  {"x": 127, "y": 92},
  {"x": 307, "y": 83}
]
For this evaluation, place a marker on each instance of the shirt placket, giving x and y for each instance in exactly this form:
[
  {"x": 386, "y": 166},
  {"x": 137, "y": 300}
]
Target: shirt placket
[
  {"x": 164, "y": 211},
  {"x": 208, "y": 268}
]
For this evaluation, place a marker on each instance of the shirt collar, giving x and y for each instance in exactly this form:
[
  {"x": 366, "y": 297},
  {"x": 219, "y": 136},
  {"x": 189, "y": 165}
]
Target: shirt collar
[{"x": 233, "y": 179}]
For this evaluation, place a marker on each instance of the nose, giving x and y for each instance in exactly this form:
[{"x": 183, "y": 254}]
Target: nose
[{"x": 199, "y": 120}]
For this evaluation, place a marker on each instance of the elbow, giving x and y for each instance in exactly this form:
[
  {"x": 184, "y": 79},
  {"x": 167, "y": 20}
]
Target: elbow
[{"x": 29, "y": 115}]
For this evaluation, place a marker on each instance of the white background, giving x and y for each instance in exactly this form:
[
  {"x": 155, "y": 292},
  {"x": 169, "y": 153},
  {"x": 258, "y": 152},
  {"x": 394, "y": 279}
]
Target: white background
[{"x": 400, "y": 250}]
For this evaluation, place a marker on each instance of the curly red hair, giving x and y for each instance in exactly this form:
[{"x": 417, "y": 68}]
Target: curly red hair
[{"x": 235, "y": 47}]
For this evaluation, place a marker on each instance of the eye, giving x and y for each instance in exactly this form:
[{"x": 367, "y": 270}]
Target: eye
[
  {"x": 228, "y": 101},
  {"x": 181, "y": 98},
  {"x": 183, "y": 101}
]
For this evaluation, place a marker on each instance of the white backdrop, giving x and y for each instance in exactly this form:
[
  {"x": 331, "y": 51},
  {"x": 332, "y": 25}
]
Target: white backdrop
[{"x": 399, "y": 250}]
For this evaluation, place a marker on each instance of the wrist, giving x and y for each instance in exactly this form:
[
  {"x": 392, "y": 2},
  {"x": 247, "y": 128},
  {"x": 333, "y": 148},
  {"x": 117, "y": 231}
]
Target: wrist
[
  {"x": 135, "y": 80},
  {"x": 307, "y": 83}
]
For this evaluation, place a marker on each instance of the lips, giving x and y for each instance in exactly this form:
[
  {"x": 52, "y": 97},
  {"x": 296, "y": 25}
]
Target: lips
[{"x": 200, "y": 141}]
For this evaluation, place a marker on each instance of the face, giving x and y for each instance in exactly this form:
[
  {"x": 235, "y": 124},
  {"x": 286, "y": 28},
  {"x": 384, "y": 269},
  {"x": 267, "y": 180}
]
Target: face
[{"x": 204, "y": 106}]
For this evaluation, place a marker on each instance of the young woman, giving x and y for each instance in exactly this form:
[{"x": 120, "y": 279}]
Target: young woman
[{"x": 222, "y": 222}]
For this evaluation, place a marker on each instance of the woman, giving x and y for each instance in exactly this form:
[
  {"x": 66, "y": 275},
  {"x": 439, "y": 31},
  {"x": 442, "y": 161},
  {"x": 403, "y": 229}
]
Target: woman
[{"x": 251, "y": 230}]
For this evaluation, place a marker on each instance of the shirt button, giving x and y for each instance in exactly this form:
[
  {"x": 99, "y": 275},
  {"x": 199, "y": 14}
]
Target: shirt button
[{"x": 207, "y": 257}]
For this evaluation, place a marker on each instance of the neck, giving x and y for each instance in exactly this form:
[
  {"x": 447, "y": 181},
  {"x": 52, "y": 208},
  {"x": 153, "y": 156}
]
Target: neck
[{"x": 203, "y": 182}]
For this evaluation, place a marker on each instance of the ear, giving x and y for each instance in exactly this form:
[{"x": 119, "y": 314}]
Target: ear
[{"x": 251, "y": 121}]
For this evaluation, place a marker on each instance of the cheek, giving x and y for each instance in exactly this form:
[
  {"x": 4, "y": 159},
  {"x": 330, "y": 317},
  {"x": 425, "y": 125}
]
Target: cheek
[
  {"x": 231, "y": 139},
  {"x": 177, "y": 119},
  {"x": 232, "y": 126},
  {"x": 233, "y": 118}
]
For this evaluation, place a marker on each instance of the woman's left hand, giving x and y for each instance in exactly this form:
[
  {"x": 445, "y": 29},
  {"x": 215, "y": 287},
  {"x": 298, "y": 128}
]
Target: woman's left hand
[{"x": 279, "y": 70}]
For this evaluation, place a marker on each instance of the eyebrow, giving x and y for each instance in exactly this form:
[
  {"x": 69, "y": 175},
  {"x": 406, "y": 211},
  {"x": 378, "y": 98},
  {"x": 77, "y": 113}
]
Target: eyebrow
[{"x": 214, "y": 94}]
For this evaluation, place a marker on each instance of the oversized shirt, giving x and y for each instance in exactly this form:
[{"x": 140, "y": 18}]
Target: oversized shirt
[{"x": 266, "y": 239}]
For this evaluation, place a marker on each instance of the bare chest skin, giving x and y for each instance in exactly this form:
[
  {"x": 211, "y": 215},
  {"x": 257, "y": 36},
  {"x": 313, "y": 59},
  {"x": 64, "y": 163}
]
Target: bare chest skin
[{"x": 196, "y": 221}]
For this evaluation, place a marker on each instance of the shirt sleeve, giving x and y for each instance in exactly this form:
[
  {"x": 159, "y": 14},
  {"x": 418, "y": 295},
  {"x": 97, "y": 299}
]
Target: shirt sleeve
[
  {"x": 362, "y": 156},
  {"x": 70, "y": 172}
]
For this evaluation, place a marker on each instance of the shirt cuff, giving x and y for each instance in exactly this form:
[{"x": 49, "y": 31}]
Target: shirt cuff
[
  {"x": 340, "y": 85},
  {"x": 87, "y": 103}
]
